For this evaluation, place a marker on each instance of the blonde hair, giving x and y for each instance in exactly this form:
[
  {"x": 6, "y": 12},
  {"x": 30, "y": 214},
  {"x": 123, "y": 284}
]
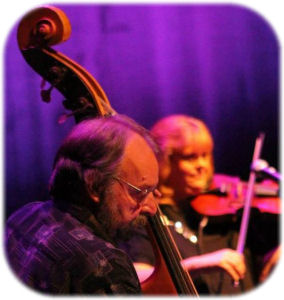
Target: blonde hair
[{"x": 173, "y": 133}]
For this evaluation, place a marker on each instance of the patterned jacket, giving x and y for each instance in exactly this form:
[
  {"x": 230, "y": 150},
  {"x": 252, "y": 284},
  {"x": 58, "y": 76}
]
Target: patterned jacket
[{"x": 65, "y": 251}]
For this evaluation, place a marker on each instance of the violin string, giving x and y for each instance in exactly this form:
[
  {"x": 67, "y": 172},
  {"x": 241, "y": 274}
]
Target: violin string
[{"x": 172, "y": 256}]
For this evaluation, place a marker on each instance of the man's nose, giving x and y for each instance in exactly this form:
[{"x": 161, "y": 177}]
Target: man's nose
[{"x": 149, "y": 205}]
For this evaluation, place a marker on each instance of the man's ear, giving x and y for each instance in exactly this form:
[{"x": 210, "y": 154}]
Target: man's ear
[{"x": 95, "y": 197}]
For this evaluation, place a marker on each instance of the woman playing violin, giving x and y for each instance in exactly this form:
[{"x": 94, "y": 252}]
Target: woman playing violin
[{"x": 206, "y": 243}]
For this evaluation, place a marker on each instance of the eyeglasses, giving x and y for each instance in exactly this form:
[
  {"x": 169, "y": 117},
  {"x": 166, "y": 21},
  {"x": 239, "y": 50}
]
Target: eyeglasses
[{"x": 136, "y": 192}]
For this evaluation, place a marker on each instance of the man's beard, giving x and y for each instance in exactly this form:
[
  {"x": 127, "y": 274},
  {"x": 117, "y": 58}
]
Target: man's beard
[
  {"x": 109, "y": 217},
  {"x": 126, "y": 232}
]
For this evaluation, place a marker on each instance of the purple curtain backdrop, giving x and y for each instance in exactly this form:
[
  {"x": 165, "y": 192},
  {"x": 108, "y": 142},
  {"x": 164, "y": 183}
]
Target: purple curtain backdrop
[{"x": 215, "y": 62}]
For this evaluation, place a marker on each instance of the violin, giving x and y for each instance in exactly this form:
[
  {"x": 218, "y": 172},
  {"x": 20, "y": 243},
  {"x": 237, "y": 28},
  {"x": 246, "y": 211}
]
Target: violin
[
  {"x": 227, "y": 195},
  {"x": 84, "y": 98},
  {"x": 231, "y": 194}
]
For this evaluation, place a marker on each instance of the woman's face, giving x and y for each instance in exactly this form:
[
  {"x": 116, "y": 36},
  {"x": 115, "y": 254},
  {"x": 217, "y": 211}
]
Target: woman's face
[{"x": 192, "y": 168}]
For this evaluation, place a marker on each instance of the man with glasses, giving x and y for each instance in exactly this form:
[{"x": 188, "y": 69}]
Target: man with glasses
[{"x": 103, "y": 182}]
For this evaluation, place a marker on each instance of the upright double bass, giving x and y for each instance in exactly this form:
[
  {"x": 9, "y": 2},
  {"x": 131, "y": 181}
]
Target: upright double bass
[{"x": 84, "y": 98}]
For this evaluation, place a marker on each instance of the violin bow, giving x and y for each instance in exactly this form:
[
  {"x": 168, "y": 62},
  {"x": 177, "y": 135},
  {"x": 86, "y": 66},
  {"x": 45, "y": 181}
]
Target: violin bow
[{"x": 248, "y": 197}]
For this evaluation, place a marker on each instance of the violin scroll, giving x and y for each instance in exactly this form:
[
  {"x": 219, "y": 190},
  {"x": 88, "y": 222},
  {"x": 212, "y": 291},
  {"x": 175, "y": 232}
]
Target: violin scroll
[{"x": 47, "y": 26}]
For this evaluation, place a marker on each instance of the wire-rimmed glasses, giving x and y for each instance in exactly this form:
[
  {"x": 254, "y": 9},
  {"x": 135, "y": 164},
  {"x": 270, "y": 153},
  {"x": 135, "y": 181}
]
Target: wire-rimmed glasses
[{"x": 138, "y": 193}]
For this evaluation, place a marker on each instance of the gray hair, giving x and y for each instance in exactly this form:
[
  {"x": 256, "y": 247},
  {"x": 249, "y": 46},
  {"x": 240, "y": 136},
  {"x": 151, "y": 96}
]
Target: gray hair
[{"x": 90, "y": 156}]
